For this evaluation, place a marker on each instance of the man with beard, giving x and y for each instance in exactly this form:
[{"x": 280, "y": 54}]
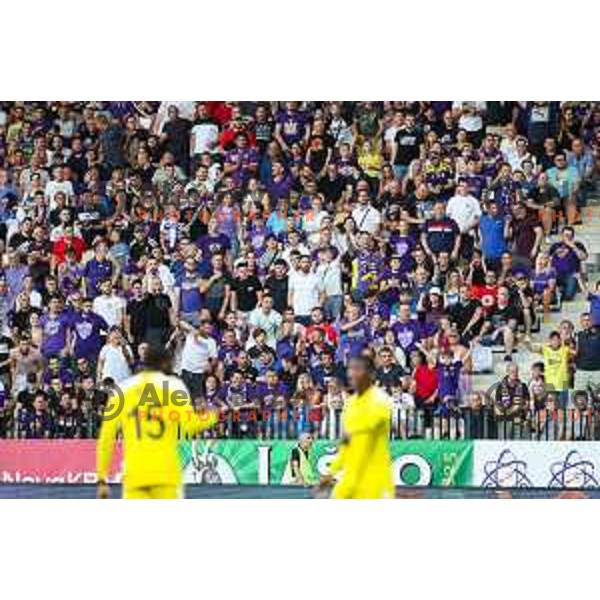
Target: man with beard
[
  {"x": 89, "y": 330},
  {"x": 159, "y": 317}
]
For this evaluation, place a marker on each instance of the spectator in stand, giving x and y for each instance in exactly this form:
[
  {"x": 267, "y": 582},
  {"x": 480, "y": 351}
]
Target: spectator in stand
[
  {"x": 566, "y": 256},
  {"x": 198, "y": 356},
  {"x": 303, "y": 290},
  {"x": 565, "y": 179},
  {"x": 115, "y": 359},
  {"x": 587, "y": 357},
  {"x": 441, "y": 234},
  {"x": 493, "y": 233},
  {"x": 526, "y": 234},
  {"x": 365, "y": 225}
]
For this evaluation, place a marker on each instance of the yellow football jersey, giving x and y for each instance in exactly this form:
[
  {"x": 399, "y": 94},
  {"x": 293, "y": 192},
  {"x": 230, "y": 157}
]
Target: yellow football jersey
[
  {"x": 152, "y": 412},
  {"x": 556, "y": 366},
  {"x": 364, "y": 460}
]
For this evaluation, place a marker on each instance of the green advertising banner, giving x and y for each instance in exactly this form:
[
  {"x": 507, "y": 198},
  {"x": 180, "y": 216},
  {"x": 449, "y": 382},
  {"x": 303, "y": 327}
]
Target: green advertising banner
[{"x": 253, "y": 462}]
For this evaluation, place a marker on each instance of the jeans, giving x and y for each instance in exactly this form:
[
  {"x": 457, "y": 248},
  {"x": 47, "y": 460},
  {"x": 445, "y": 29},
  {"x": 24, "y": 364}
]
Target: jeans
[
  {"x": 400, "y": 171},
  {"x": 333, "y": 307},
  {"x": 568, "y": 285},
  {"x": 194, "y": 383},
  {"x": 303, "y": 320},
  {"x": 193, "y": 318}
]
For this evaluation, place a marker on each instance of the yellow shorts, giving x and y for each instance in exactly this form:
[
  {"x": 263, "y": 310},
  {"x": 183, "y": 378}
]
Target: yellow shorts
[{"x": 153, "y": 492}]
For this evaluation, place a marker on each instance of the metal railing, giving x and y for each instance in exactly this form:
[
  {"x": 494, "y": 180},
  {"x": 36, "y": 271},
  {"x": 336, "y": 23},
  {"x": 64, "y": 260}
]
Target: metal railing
[
  {"x": 466, "y": 423},
  {"x": 487, "y": 423}
]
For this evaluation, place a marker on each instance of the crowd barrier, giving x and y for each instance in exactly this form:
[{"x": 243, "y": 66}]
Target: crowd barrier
[{"x": 453, "y": 424}]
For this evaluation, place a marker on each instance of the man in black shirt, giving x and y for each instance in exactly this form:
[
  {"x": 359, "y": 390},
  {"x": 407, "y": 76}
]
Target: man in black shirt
[
  {"x": 511, "y": 400},
  {"x": 389, "y": 373},
  {"x": 159, "y": 318},
  {"x": 21, "y": 240},
  {"x": 6, "y": 345},
  {"x": 68, "y": 418},
  {"x": 406, "y": 148},
  {"x": 587, "y": 359},
  {"x": 247, "y": 290},
  {"x": 176, "y": 137},
  {"x": 277, "y": 285},
  {"x": 242, "y": 365},
  {"x": 332, "y": 185},
  {"x": 467, "y": 315},
  {"x": 134, "y": 314}
]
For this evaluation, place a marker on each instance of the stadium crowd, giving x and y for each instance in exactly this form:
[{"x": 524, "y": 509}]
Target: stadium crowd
[{"x": 267, "y": 242}]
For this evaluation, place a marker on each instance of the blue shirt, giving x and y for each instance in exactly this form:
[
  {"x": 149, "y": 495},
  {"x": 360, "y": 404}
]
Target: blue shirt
[
  {"x": 493, "y": 243},
  {"x": 594, "y": 300},
  {"x": 190, "y": 296},
  {"x": 95, "y": 272}
]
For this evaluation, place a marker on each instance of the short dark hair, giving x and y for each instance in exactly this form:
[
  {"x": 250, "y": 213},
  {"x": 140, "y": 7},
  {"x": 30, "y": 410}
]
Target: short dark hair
[
  {"x": 158, "y": 358},
  {"x": 366, "y": 362}
]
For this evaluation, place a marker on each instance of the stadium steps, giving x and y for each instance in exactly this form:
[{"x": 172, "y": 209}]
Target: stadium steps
[{"x": 589, "y": 234}]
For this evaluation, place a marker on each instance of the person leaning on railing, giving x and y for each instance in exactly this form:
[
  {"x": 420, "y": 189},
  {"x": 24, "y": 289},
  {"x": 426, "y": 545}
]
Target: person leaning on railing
[{"x": 511, "y": 401}]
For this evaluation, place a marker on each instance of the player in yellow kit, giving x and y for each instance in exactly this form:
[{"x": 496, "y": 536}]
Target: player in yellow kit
[
  {"x": 152, "y": 413},
  {"x": 364, "y": 461}
]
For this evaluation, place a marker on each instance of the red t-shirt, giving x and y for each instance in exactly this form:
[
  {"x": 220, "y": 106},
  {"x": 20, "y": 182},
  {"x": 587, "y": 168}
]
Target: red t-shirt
[
  {"x": 61, "y": 244},
  {"x": 426, "y": 380},
  {"x": 486, "y": 294},
  {"x": 328, "y": 330},
  {"x": 219, "y": 111}
]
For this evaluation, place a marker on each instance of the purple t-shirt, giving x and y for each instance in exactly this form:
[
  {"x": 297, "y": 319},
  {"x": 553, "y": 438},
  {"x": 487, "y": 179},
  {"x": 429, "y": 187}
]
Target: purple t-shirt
[
  {"x": 268, "y": 395},
  {"x": 567, "y": 264},
  {"x": 191, "y": 300},
  {"x": 448, "y": 378},
  {"x": 87, "y": 329},
  {"x": 54, "y": 329},
  {"x": 279, "y": 189},
  {"x": 214, "y": 244},
  {"x": 96, "y": 271},
  {"x": 247, "y": 157},
  {"x": 293, "y": 125}
]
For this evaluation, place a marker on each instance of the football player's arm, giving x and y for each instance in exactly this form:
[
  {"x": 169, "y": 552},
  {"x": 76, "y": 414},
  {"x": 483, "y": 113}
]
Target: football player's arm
[
  {"x": 337, "y": 464},
  {"x": 106, "y": 441}
]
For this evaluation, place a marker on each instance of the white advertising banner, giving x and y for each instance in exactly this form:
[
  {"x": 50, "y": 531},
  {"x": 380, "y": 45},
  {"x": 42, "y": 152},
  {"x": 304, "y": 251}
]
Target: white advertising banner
[{"x": 536, "y": 464}]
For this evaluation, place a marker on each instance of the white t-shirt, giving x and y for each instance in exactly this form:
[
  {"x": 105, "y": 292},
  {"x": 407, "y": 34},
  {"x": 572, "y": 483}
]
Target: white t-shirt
[
  {"x": 508, "y": 148},
  {"x": 35, "y": 299},
  {"x": 196, "y": 353},
  {"x": 366, "y": 218},
  {"x": 470, "y": 122},
  {"x": 205, "y": 137},
  {"x": 305, "y": 290},
  {"x": 165, "y": 276},
  {"x": 109, "y": 308},
  {"x": 269, "y": 322},
  {"x": 463, "y": 210},
  {"x": 185, "y": 107},
  {"x": 516, "y": 161},
  {"x": 115, "y": 364},
  {"x": 311, "y": 223},
  {"x": 53, "y": 187},
  {"x": 330, "y": 278}
]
